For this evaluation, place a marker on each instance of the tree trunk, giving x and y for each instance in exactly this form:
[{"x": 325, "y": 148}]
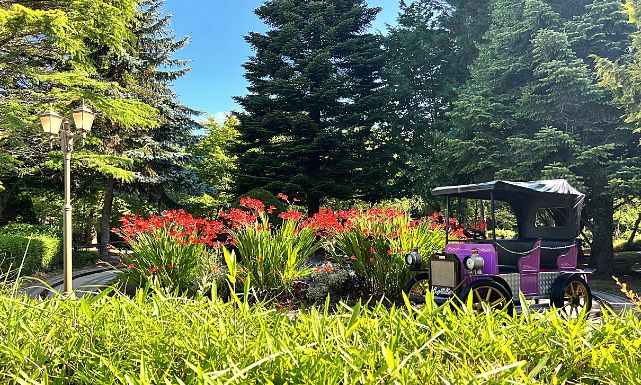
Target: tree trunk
[
  {"x": 2, "y": 204},
  {"x": 89, "y": 236},
  {"x": 313, "y": 204},
  {"x": 634, "y": 231},
  {"x": 602, "y": 252},
  {"x": 105, "y": 228}
]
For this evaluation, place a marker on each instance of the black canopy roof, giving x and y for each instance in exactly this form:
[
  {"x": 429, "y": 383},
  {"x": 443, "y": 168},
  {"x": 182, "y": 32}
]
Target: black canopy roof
[
  {"x": 526, "y": 198},
  {"x": 500, "y": 188}
]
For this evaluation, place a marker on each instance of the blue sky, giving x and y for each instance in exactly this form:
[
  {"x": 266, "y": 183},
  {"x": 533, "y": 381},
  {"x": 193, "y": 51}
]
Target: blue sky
[{"x": 217, "y": 48}]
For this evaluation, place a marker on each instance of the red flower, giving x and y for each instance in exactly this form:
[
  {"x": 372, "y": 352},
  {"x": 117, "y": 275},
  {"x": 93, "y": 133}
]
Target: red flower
[
  {"x": 169, "y": 265},
  {"x": 353, "y": 257},
  {"x": 283, "y": 197},
  {"x": 296, "y": 200},
  {"x": 371, "y": 260},
  {"x": 372, "y": 250},
  {"x": 153, "y": 270},
  {"x": 131, "y": 266},
  {"x": 291, "y": 215},
  {"x": 389, "y": 252}
]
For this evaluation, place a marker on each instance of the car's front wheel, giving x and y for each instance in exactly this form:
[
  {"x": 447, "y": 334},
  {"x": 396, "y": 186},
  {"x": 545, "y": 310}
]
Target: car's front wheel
[
  {"x": 417, "y": 288},
  {"x": 487, "y": 294}
]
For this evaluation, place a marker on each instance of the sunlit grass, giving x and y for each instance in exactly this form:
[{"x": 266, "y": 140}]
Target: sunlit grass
[{"x": 154, "y": 338}]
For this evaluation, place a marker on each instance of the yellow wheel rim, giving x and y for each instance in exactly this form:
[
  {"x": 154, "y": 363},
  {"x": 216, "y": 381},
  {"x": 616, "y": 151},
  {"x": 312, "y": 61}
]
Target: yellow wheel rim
[
  {"x": 575, "y": 298},
  {"x": 420, "y": 288},
  {"x": 488, "y": 296}
]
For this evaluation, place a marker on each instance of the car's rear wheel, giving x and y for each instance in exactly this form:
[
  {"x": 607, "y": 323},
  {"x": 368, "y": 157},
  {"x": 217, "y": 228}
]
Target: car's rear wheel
[
  {"x": 487, "y": 294},
  {"x": 417, "y": 288},
  {"x": 572, "y": 295}
]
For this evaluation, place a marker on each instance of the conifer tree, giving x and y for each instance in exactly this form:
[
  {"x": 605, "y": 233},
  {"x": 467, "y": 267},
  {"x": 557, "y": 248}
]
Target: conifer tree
[
  {"x": 532, "y": 108},
  {"x": 313, "y": 119},
  {"x": 157, "y": 157},
  {"x": 421, "y": 75}
]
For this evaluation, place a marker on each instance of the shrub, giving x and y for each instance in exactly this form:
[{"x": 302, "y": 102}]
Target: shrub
[
  {"x": 157, "y": 339},
  {"x": 374, "y": 243},
  {"x": 171, "y": 250},
  {"x": 27, "y": 229},
  {"x": 267, "y": 199},
  {"x": 622, "y": 245},
  {"x": 41, "y": 253},
  {"x": 273, "y": 257}
]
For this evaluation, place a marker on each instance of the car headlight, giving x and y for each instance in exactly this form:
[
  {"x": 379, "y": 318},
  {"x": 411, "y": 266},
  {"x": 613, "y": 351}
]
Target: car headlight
[{"x": 414, "y": 258}]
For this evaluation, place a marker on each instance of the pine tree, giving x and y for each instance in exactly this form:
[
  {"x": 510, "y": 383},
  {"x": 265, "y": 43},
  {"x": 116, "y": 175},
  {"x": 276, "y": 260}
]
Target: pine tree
[
  {"x": 159, "y": 168},
  {"x": 421, "y": 75},
  {"x": 532, "y": 108},
  {"x": 312, "y": 121},
  {"x": 46, "y": 56}
]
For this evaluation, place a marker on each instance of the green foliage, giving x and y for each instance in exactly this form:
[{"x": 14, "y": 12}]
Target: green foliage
[
  {"x": 165, "y": 260},
  {"x": 274, "y": 257},
  {"x": 39, "y": 253},
  {"x": 314, "y": 114},
  {"x": 161, "y": 339},
  {"x": 29, "y": 229},
  {"x": 217, "y": 160},
  {"x": 623, "y": 245},
  {"x": 375, "y": 248},
  {"x": 421, "y": 74}
]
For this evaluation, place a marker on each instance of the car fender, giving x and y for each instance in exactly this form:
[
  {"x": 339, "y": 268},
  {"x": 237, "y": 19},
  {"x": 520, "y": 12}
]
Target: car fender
[{"x": 494, "y": 278}]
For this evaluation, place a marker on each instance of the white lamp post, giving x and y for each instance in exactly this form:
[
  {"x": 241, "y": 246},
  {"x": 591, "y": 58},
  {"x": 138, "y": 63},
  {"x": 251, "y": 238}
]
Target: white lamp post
[{"x": 51, "y": 121}]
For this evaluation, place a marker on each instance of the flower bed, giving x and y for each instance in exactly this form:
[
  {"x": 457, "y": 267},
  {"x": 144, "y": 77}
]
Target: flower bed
[{"x": 179, "y": 252}]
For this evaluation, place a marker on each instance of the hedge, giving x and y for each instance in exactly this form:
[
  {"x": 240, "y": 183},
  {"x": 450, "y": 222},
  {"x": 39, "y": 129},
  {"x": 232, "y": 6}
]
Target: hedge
[{"x": 41, "y": 254}]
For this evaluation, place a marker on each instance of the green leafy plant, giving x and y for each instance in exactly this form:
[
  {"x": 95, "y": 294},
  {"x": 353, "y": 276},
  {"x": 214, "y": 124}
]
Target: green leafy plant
[
  {"x": 155, "y": 338},
  {"x": 171, "y": 250},
  {"x": 273, "y": 257},
  {"x": 374, "y": 243},
  {"x": 39, "y": 253}
]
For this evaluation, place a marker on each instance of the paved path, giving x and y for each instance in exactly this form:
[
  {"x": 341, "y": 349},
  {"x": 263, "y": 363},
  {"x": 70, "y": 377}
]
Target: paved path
[{"x": 84, "y": 281}]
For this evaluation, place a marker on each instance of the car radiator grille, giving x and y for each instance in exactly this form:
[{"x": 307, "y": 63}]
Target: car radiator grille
[{"x": 443, "y": 273}]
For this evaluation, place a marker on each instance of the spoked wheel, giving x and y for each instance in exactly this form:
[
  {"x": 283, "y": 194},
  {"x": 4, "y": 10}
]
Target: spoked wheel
[
  {"x": 488, "y": 294},
  {"x": 417, "y": 288},
  {"x": 573, "y": 296}
]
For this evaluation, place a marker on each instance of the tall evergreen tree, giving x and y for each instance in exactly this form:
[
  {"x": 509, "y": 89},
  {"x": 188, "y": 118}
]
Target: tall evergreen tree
[
  {"x": 421, "y": 75},
  {"x": 158, "y": 156},
  {"x": 46, "y": 50},
  {"x": 532, "y": 107},
  {"x": 312, "y": 121}
]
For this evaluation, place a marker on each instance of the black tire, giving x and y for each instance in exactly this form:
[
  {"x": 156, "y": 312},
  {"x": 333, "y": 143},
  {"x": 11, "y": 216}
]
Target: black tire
[
  {"x": 488, "y": 293},
  {"x": 572, "y": 295},
  {"x": 417, "y": 287}
]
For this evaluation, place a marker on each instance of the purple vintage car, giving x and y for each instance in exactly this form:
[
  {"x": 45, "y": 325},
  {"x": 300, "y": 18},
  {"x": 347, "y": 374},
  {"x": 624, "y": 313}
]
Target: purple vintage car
[{"x": 541, "y": 263}]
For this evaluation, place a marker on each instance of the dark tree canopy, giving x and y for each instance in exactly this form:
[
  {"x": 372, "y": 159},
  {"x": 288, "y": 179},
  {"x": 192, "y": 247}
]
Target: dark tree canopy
[{"x": 313, "y": 122}]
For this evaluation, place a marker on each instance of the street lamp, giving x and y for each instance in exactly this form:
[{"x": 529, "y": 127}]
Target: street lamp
[{"x": 51, "y": 121}]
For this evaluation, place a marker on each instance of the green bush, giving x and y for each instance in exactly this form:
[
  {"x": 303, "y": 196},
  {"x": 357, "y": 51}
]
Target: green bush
[
  {"x": 375, "y": 243},
  {"x": 274, "y": 257},
  {"x": 27, "y": 229},
  {"x": 41, "y": 254},
  {"x": 169, "y": 250},
  {"x": 158, "y": 339},
  {"x": 622, "y": 245},
  {"x": 268, "y": 199}
]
